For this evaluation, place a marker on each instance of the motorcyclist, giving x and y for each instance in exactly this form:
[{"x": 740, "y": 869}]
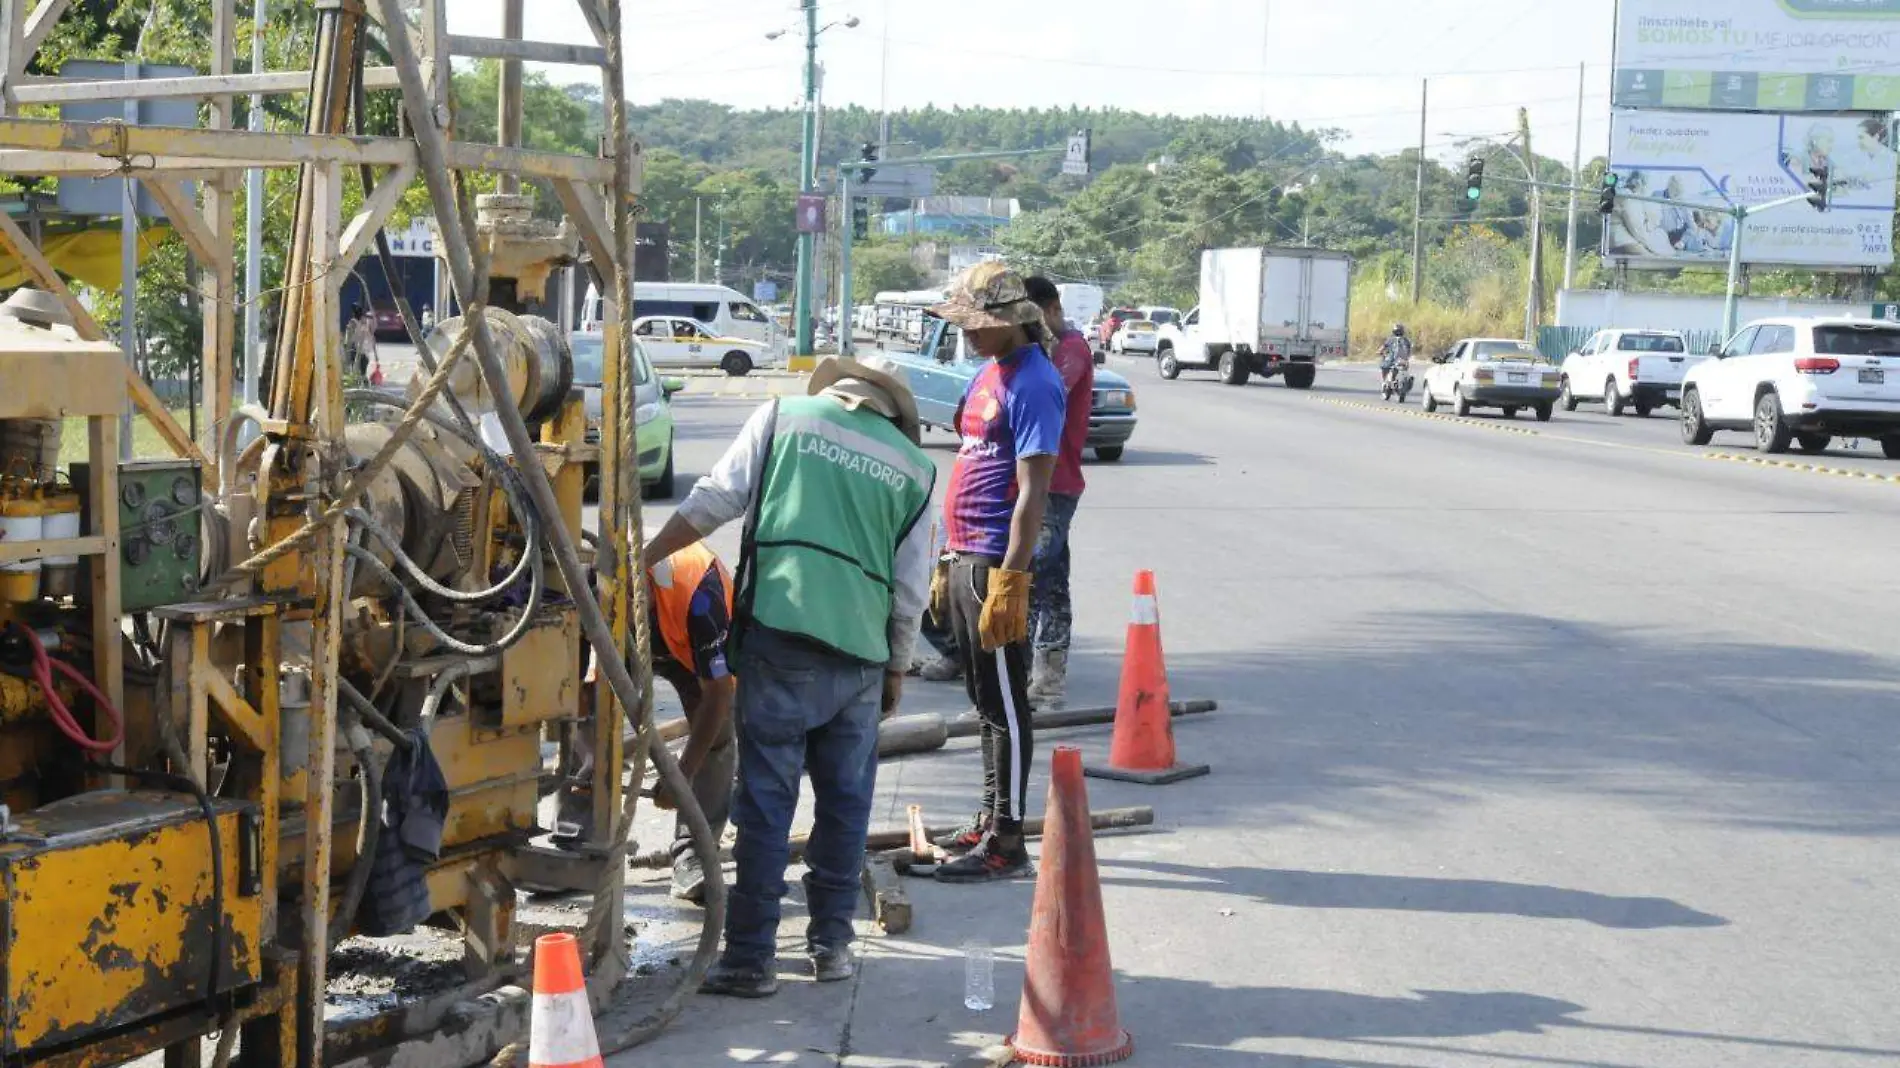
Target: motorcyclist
[{"x": 1395, "y": 356}]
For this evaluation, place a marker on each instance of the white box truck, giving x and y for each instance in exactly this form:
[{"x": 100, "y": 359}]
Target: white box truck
[
  {"x": 1082, "y": 303},
  {"x": 1263, "y": 311}
]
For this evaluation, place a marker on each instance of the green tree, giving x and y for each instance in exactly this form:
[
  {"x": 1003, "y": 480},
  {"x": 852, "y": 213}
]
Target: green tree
[{"x": 881, "y": 267}]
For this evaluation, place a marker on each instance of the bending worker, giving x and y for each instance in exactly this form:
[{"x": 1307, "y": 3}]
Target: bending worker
[
  {"x": 833, "y": 577},
  {"x": 1011, "y": 421},
  {"x": 689, "y": 605}
]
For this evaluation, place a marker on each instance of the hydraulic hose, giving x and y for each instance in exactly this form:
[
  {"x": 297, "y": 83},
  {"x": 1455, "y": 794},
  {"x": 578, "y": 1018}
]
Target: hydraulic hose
[
  {"x": 369, "y": 832},
  {"x": 457, "y": 224}
]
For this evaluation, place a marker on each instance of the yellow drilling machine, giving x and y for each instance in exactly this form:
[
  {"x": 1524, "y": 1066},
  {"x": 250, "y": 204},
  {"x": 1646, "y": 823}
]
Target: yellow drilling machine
[{"x": 311, "y": 678}]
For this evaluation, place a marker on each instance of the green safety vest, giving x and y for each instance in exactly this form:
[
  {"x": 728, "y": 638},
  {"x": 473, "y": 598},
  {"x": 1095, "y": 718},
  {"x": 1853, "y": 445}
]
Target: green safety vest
[{"x": 841, "y": 489}]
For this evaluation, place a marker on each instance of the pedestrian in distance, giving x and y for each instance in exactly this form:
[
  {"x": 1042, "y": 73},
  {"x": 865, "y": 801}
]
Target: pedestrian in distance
[
  {"x": 1051, "y": 613},
  {"x": 689, "y": 612},
  {"x": 833, "y": 576},
  {"x": 361, "y": 340},
  {"x": 1011, "y": 421}
]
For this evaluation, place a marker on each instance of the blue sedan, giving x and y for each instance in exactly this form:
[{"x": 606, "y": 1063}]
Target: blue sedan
[{"x": 942, "y": 371}]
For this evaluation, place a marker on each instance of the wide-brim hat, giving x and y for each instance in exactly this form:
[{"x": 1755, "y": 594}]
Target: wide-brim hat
[
  {"x": 878, "y": 381},
  {"x": 987, "y": 296}
]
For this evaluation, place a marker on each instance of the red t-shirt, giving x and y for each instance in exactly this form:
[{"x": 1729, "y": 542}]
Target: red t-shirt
[{"x": 1075, "y": 362}]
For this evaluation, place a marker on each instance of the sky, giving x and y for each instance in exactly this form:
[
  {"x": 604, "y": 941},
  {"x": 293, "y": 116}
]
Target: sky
[{"x": 1351, "y": 64}]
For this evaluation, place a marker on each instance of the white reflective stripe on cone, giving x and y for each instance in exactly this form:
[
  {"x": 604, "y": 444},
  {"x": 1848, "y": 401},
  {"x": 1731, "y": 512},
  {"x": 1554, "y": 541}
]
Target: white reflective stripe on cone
[
  {"x": 561, "y": 1032},
  {"x": 1147, "y": 611}
]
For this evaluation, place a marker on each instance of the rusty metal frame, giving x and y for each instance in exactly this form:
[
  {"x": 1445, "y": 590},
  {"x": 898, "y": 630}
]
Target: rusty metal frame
[{"x": 282, "y": 1026}]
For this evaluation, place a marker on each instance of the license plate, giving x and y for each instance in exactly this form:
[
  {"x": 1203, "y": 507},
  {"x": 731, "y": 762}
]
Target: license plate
[
  {"x": 1517, "y": 376},
  {"x": 1873, "y": 376}
]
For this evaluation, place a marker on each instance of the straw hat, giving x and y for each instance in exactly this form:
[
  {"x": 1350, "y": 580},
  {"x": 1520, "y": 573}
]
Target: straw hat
[{"x": 875, "y": 381}]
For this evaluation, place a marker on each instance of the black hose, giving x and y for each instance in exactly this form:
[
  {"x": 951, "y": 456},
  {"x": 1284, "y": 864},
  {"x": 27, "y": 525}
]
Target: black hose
[
  {"x": 369, "y": 833},
  {"x": 450, "y": 641},
  {"x": 370, "y": 715}
]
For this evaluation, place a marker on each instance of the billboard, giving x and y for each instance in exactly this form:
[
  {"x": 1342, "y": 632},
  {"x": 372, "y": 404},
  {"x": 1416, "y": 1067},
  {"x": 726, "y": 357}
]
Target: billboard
[
  {"x": 1707, "y": 158},
  {"x": 1758, "y": 55}
]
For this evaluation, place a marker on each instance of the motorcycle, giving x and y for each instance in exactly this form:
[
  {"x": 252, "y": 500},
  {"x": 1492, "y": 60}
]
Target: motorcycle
[{"x": 1395, "y": 383}]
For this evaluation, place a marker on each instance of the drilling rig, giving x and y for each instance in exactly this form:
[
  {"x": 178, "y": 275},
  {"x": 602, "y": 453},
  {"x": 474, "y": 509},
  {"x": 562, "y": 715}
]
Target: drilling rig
[{"x": 302, "y": 681}]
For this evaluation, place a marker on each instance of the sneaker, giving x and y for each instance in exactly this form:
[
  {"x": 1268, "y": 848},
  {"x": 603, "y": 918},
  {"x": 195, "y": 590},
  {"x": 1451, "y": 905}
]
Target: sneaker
[
  {"x": 833, "y": 964},
  {"x": 942, "y": 669},
  {"x": 1050, "y": 680},
  {"x": 991, "y": 861},
  {"x": 741, "y": 980},
  {"x": 689, "y": 879},
  {"x": 966, "y": 837}
]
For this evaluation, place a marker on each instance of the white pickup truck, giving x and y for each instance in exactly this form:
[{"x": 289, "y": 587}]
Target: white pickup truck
[{"x": 1640, "y": 369}]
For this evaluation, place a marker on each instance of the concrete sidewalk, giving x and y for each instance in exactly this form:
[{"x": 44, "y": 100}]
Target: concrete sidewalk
[{"x": 906, "y": 1006}]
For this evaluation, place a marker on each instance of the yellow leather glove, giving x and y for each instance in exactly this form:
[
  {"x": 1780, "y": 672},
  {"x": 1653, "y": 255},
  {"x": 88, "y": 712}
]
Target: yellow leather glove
[
  {"x": 1005, "y": 616},
  {"x": 940, "y": 592}
]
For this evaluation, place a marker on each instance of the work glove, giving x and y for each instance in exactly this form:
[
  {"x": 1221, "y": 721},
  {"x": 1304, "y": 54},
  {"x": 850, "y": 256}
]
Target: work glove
[
  {"x": 940, "y": 592},
  {"x": 1005, "y": 618}
]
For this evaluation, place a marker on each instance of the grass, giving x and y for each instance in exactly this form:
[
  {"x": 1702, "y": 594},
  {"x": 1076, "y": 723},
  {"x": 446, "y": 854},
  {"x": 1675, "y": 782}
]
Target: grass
[{"x": 146, "y": 443}]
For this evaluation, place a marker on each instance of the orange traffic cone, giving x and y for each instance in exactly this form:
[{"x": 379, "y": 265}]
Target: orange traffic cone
[
  {"x": 1143, "y": 748},
  {"x": 561, "y": 1025},
  {"x": 1068, "y": 1015}
]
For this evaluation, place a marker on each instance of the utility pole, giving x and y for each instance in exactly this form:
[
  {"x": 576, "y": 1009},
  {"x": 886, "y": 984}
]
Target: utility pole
[
  {"x": 698, "y": 243},
  {"x": 1534, "y": 300},
  {"x": 254, "y": 229},
  {"x": 1418, "y": 198},
  {"x": 508, "y": 96},
  {"x": 807, "y": 179},
  {"x": 1576, "y": 181}
]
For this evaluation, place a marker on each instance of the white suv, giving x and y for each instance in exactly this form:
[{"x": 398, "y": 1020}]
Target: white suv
[{"x": 1799, "y": 381}]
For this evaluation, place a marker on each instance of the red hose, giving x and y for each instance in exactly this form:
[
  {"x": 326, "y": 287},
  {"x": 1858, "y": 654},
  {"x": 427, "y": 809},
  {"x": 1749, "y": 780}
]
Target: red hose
[{"x": 43, "y": 667}]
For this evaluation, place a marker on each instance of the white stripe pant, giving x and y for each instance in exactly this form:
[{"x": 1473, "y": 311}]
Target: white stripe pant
[{"x": 998, "y": 683}]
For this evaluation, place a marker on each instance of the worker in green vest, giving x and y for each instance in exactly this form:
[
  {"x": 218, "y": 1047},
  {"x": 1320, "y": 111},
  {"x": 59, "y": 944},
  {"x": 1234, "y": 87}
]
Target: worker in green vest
[{"x": 834, "y": 574}]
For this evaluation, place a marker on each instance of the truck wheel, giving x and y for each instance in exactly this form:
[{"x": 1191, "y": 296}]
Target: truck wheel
[
  {"x": 736, "y": 364},
  {"x": 1543, "y": 412},
  {"x": 1814, "y": 443},
  {"x": 1166, "y": 365},
  {"x": 1233, "y": 369},
  {"x": 1300, "y": 377},
  {"x": 1643, "y": 410},
  {"x": 1510, "y": 413},
  {"x": 1108, "y": 454},
  {"x": 1567, "y": 398},
  {"x": 1459, "y": 403},
  {"x": 1695, "y": 429},
  {"x": 1612, "y": 400},
  {"x": 1890, "y": 448}
]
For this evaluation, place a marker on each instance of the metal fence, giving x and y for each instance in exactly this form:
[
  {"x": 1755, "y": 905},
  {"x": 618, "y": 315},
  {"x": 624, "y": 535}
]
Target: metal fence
[{"x": 1556, "y": 342}]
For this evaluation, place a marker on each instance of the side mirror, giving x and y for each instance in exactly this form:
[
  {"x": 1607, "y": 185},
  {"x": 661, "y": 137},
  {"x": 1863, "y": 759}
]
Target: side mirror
[
  {"x": 670, "y": 386},
  {"x": 1715, "y": 351}
]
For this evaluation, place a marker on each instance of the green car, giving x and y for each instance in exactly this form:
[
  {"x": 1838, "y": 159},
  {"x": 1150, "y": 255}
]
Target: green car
[{"x": 653, "y": 412}]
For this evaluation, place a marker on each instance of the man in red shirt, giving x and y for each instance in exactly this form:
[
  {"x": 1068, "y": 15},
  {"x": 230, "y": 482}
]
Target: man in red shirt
[{"x": 1050, "y": 615}]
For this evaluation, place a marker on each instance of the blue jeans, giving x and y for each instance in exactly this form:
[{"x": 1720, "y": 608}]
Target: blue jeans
[
  {"x": 1050, "y": 614},
  {"x": 800, "y": 710}
]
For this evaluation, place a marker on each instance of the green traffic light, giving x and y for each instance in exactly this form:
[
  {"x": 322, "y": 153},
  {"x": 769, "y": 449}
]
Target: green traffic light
[{"x": 1474, "y": 193}]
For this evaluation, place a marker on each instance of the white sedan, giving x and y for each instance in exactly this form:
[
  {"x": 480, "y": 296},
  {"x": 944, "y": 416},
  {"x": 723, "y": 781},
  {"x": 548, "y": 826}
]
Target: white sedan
[
  {"x": 1492, "y": 373},
  {"x": 1135, "y": 335},
  {"x": 673, "y": 341}
]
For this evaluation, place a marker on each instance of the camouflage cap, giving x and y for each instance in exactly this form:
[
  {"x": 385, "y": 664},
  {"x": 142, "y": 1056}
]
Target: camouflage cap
[{"x": 988, "y": 295}]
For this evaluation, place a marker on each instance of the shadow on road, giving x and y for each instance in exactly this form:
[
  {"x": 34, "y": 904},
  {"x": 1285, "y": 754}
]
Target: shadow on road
[
  {"x": 1349, "y": 890},
  {"x": 1140, "y": 457}
]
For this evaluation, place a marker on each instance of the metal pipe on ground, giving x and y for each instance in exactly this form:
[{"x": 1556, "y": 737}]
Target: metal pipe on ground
[{"x": 1113, "y": 819}]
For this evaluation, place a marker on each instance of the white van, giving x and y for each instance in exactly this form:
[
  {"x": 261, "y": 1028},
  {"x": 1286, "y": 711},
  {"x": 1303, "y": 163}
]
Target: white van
[{"x": 724, "y": 311}]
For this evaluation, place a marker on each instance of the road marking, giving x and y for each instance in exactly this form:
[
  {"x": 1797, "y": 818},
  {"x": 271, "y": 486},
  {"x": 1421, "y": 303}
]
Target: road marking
[
  {"x": 1419, "y": 413},
  {"x": 1790, "y": 465},
  {"x": 1752, "y": 461}
]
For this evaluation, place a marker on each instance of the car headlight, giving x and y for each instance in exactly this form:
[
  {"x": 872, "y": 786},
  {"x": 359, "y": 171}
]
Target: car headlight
[
  {"x": 1115, "y": 398},
  {"x": 646, "y": 413}
]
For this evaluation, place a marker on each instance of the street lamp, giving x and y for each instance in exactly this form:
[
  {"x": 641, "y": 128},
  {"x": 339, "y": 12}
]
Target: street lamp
[{"x": 808, "y": 167}]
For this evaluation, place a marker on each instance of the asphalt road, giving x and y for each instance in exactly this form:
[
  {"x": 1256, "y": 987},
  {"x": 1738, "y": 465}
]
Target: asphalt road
[{"x": 1566, "y": 745}]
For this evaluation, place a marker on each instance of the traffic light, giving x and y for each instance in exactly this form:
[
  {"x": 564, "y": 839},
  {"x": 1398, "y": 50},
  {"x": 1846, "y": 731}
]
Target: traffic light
[
  {"x": 869, "y": 155},
  {"x": 1606, "y": 200},
  {"x": 1474, "y": 179},
  {"x": 860, "y": 219},
  {"x": 1820, "y": 190}
]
